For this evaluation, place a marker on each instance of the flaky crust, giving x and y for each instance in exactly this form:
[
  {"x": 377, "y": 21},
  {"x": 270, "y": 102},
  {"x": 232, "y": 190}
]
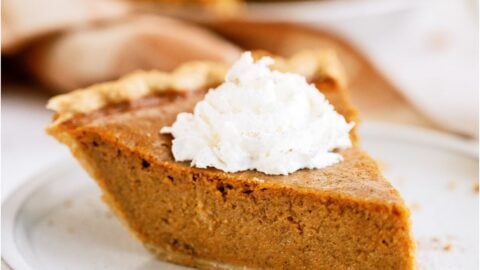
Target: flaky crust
[{"x": 188, "y": 77}]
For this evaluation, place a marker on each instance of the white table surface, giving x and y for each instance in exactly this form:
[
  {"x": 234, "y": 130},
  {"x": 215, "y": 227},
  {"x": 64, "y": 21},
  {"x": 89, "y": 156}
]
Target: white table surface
[{"x": 26, "y": 148}]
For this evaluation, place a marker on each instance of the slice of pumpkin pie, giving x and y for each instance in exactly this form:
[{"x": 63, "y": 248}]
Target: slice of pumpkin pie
[{"x": 262, "y": 171}]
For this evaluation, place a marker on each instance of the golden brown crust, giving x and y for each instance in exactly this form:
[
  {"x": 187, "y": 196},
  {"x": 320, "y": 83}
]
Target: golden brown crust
[
  {"x": 188, "y": 77},
  {"x": 191, "y": 76}
]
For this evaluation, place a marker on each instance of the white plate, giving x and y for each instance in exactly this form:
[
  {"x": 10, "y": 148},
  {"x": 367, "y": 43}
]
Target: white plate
[{"x": 57, "y": 220}]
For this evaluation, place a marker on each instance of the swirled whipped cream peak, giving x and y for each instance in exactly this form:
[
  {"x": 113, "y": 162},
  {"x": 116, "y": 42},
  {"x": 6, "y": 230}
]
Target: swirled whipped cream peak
[{"x": 260, "y": 119}]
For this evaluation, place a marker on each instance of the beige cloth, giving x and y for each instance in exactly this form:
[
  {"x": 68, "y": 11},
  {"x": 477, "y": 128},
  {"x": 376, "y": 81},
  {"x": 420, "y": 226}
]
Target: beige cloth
[{"x": 104, "y": 52}]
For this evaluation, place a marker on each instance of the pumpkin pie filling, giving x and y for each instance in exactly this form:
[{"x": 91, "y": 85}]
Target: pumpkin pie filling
[{"x": 344, "y": 216}]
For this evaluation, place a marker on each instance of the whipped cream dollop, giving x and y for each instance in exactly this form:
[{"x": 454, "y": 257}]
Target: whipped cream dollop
[{"x": 260, "y": 119}]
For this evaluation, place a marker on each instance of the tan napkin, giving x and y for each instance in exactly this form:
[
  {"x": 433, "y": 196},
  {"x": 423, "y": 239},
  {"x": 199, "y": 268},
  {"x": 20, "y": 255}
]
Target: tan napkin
[
  {"x": 25, "y": 20},
  {"x": 107, "y": 51}
]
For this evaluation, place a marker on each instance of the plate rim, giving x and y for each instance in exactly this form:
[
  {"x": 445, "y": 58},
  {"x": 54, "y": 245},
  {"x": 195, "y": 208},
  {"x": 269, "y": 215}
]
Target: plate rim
[
  {"x": 13, "y": 202},
  {"x": 423, "y": 135}
]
